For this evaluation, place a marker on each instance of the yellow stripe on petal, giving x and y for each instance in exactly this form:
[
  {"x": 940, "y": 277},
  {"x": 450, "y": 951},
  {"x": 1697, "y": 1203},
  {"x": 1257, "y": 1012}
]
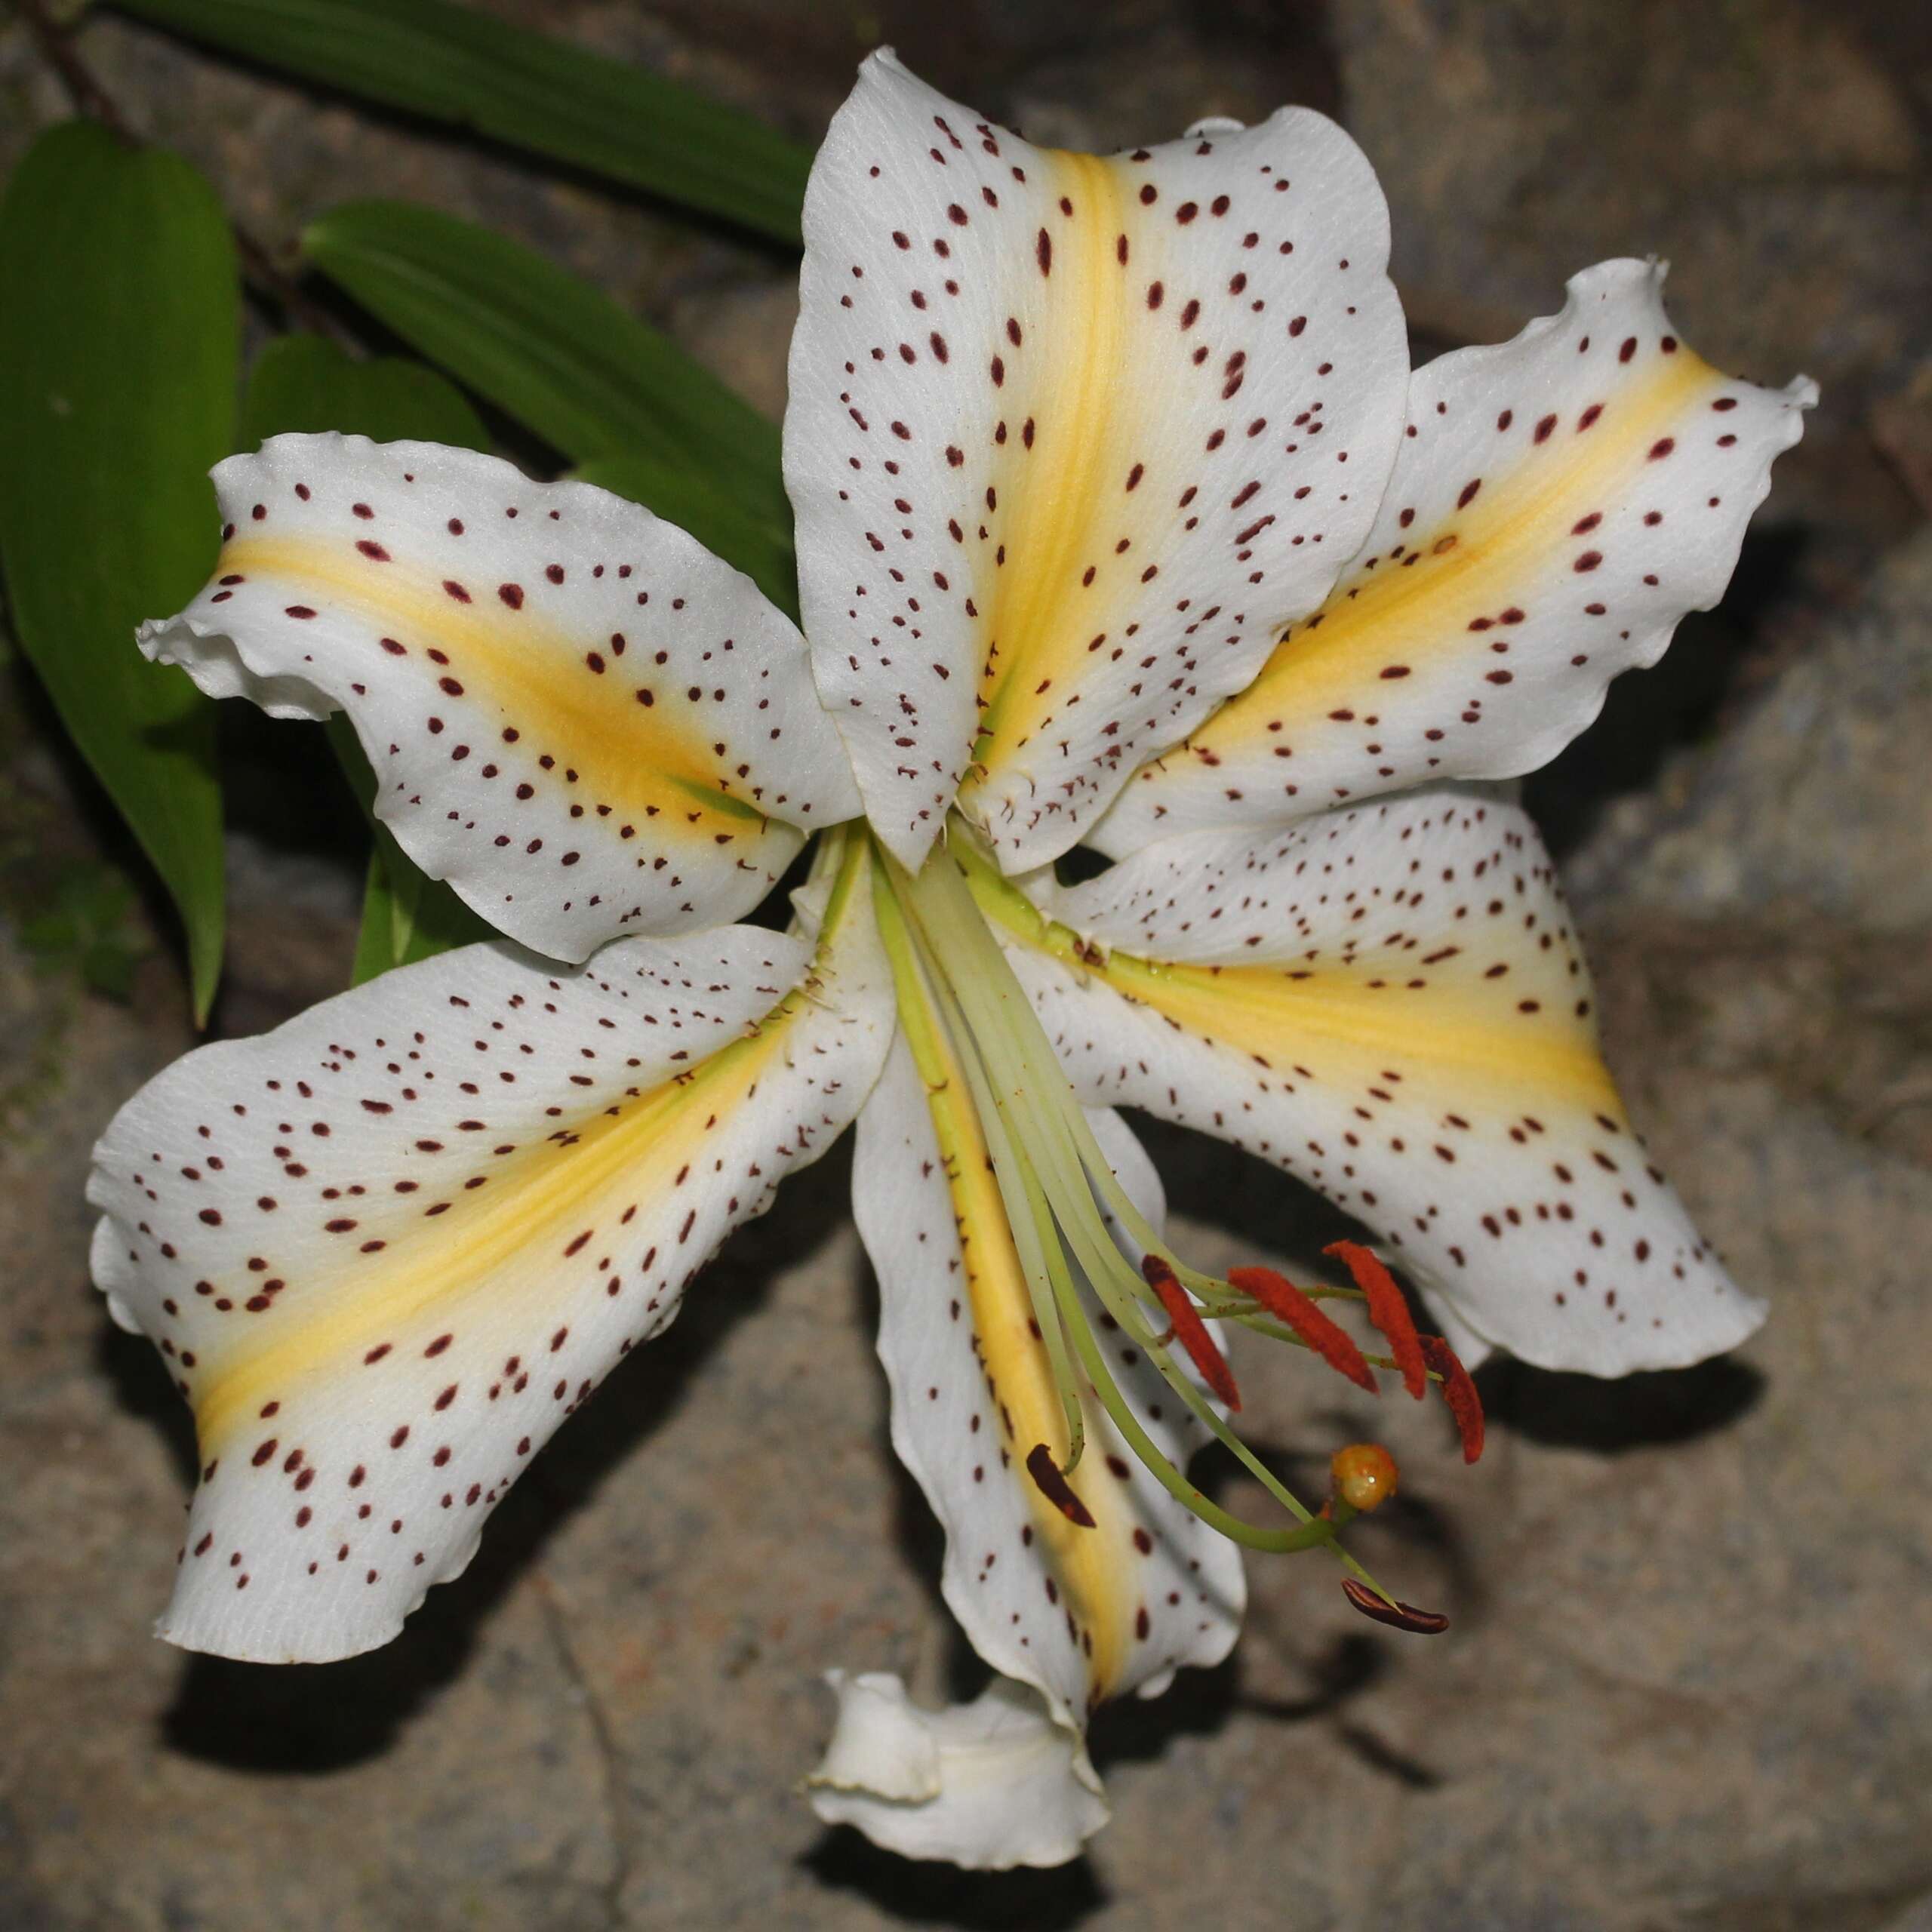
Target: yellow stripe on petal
[
  {"x": 385, "y": 1250},
  {"x": 1558, "y": 503},
  {"x": 1050, "y": 476},
  {"x": 1390, "y": 1002},
  {"x": 527, "y": 1210},
  {"x": 1284, "y": 1016},
  {"x": 1433, "y": 1010},
  {"x": 1067, "y": 437},
  {"x": 650, "y": 764},
  {"x": 576, "y": 715},
  {"x": 535, "y": 1205},
  {"x": 1386, "y": 622},
  {"x": 1097, "y": 1571}
]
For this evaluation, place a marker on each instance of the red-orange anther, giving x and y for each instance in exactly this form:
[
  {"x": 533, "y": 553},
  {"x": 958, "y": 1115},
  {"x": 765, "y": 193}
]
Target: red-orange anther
[
  {"x": 1190, "y": 1331},
  {"x": 1387, "y": 1309},
  {"x": 1290, "y": 1306},
  {"x": 1459, "y": 1392}
]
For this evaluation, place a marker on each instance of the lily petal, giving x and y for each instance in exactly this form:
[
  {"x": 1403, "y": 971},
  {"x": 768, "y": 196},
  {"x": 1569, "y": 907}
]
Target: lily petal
[
  {"x": 386, "y": 1248},
  {"x": 988, "y": 1786},
  {"x": 1081, "y": 1612},
  {"x": 577, "y": 716},
  {"x": 1559, "y": 502},
  {"x": 1068, "y": 439},
  {"x": 1389, "y": 1002}
]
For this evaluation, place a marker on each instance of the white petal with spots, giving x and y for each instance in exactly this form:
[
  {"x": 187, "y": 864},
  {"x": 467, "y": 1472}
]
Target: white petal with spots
[
  {"x": 386, "y": 1248},
  {"x": 988, "y": 1786},
  {"x": 1068, "y": 439},
  {"x": 1389, "y": 1002},
  {"x": 1082, "y": 1613},
  {"x": 577, "y": 716},
  {"x": 1559, "y": 502}
]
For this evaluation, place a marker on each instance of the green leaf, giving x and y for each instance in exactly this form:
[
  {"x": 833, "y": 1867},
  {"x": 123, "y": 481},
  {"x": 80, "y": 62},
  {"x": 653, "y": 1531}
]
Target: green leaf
[
  {"x": 118, "y": 353},
  {"x": 547, "y": 349},
  {"x": 432, "y": 921},
  {"x": 457, "y": 64},
  {"x": 760, "y": 548},
  {"x": 303, "y": 382}
]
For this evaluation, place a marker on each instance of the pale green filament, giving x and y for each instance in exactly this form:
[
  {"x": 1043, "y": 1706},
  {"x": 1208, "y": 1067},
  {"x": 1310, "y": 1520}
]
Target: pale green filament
[
  {"x": 1025, "y": 1209},
  {"x": 1057, "y": 1187}
]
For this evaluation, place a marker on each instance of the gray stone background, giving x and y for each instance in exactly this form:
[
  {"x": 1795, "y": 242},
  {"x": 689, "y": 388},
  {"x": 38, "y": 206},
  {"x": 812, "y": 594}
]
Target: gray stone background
[{"x": 1690, "y": 1681}]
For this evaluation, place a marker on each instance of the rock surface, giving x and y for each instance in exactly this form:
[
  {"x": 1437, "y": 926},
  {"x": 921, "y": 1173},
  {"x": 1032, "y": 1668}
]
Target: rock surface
[{"x": 1687, "y": 1689}]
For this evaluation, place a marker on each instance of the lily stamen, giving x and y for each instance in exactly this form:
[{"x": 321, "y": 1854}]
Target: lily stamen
[
  {"x": 1188, "y": 1328},
  {"x": 1074, "y": 1230},
  {"x": 1458, "y": 1391},
  {"x": 1397, "y": 1616},
  {"x": 1388, "y": 1309},
  {"x": 1053, "y": 1484},
  {"x": 1287, "y": 1303}
]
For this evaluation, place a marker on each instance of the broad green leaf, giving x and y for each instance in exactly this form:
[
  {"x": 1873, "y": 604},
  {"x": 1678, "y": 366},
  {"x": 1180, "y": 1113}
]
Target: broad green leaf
[
  {"x": 547, "y": 349},
  {"x": 119, "y": 321},
  {"x": 458, "y": 65},
  {"x": 303, "y": 382},
  {"x": 760, "y": 548}
]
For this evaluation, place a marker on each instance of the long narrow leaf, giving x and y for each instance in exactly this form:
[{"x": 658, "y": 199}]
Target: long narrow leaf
[
  {"x": 302, "y": 382},
  {"x": 458, "y": 65},
  {"x": 119, "y": 314},
  {"x": 548, "y": 349}
]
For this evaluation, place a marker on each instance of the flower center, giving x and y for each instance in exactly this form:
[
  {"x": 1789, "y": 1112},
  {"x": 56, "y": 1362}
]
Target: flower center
[{"x": 1087, "y": 1254}]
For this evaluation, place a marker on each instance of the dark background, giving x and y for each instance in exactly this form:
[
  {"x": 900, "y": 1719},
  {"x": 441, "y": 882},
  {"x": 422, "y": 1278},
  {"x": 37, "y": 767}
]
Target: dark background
[{"x": 1688, "y": 1685}]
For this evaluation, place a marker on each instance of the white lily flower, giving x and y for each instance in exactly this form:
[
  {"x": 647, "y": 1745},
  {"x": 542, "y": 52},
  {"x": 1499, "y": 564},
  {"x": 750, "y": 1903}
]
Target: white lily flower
[{"x": 1120, "y": 519}]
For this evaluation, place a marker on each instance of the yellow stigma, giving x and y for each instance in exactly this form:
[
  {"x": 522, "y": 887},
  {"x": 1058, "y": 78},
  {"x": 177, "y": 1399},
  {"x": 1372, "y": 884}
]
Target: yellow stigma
[{"x": 1364, "y": 1474}]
